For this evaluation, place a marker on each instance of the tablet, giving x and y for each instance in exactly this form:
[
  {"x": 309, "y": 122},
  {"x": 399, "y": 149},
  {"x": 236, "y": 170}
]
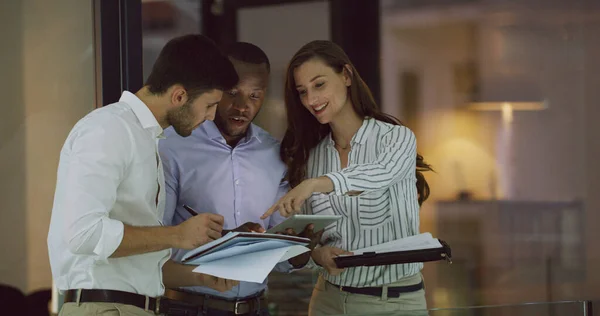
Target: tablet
[{"x": 298, "y": 222}]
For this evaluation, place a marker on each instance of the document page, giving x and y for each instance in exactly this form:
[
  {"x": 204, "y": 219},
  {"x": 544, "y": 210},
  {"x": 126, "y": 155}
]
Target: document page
[
  {"x": 416, "y": 242},
  {"x": 249, "y": 267}
]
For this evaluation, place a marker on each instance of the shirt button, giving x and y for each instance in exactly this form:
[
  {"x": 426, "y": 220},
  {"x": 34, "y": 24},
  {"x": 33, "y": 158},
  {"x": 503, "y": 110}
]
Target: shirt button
[{"x": 237, "y": 182}]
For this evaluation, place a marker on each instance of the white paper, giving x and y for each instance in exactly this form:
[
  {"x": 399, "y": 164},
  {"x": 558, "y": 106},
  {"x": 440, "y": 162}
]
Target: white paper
[
  {"x": 293, "y": 252},
  {"x": 240, "y": 248},
  {"x": 249, "y": 257},
  {"x": 416, "y": 242},
  {"x": 249, "y": 267}
]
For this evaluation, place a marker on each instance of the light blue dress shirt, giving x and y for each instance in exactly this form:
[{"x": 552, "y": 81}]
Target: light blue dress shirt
[{"x": 239, "y": 183}]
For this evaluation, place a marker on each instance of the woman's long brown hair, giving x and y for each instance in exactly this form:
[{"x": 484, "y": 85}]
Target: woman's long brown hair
[{"x": 304, "y": 132}]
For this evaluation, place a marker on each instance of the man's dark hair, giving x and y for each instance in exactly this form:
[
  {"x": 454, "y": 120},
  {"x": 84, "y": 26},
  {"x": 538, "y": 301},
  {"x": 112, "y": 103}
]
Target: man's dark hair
[
  {"x": 195, "y": 62},
  {"x": 248, "y": 53}
]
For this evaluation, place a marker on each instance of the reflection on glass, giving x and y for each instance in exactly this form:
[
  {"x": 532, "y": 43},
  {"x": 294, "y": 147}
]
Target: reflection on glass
[
  {"x": 534, "y": 244},
  {"x": 565, "y": 308},
  {"x": 516, "y": 213}
]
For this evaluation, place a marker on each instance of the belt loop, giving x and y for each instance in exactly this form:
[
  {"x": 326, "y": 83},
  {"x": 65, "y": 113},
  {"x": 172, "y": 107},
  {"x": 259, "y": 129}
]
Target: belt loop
[
  {"x": 147, "y": 303},
  {"x": 78, "y": 299},
  {"x": 258, "y": 305},
  {"x": 157, "y": 305},
  {"x": 205, "y": 305},
  {"x": 384, "y": 293}
]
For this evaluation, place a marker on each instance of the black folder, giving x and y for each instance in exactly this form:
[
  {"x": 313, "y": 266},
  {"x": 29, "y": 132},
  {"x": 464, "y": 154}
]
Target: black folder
[{"x": 396, "y": 257}]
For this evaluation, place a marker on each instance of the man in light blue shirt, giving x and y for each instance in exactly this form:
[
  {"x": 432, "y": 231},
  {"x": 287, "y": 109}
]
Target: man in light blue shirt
[{"x": 229, "y": 167}]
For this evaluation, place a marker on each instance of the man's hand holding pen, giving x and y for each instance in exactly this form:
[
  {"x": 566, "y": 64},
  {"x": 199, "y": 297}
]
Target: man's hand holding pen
[
  {"x": 199, "y": 229},
  {"x": 248, "y": 227}
]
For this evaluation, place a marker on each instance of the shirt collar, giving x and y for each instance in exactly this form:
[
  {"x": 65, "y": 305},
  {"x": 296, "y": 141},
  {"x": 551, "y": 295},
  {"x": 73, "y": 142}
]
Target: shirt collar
[
  {"x": 212, "y": 131},
  {"x": 361, "y": 135},
  {"x": 253, "y": 133},
  {"x": 143, "y": 114}
]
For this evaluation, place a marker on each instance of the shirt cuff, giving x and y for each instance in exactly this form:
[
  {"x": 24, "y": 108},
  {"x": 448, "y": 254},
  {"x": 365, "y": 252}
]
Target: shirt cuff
[
  {"x": 340, "y": 183},
  {"x": 110, "y": 239},
  {"x": 285, "y": 267},
  {"x": 311, "y": 264}
]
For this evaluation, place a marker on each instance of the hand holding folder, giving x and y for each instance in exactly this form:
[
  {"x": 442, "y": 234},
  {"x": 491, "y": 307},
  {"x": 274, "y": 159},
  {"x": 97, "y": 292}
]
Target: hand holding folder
[
  {"x": 418, "y": 248},
  {"x": 325, "y": 257}
]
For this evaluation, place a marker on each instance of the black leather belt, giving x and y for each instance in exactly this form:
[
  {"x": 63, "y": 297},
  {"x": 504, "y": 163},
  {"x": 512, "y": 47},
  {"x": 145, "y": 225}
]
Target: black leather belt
[
  {"x": 180, "y": 302},
  {"x": 393, "y": 292},
  {"x": 111, "y": 296}
]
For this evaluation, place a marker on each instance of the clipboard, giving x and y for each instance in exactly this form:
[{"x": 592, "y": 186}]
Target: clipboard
[{"x": 369, "y": 259}]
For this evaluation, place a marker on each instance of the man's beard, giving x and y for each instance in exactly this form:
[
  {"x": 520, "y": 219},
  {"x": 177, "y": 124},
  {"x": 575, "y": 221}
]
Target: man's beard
[{"x": 182, "y": 119}]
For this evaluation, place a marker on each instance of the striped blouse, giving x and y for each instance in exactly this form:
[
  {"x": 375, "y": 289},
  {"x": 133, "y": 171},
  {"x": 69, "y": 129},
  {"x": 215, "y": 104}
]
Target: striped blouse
[{"x": 381, "y": 165}]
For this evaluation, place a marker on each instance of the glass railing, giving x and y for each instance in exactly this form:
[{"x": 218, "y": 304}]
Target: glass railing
[{"x": 564, "y": 308}]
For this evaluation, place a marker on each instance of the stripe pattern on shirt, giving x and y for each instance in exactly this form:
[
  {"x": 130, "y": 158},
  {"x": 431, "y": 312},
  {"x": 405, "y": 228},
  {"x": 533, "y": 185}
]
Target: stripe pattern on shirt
[{"x": 381, "y": 165}]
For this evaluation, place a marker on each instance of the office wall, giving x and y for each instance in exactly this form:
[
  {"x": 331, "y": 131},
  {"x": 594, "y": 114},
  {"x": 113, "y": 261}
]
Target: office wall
[
  {"x": 50, "y": 86},
  {"x": 591, "y": 157},
  {"x": 12, "y": 148},
  {"x": 287, "y": 24}
]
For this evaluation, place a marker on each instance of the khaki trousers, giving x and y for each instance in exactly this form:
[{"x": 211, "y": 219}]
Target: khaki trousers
[
  {"x": 329, "y": 300},
  {"x": 104, "y": 309}
]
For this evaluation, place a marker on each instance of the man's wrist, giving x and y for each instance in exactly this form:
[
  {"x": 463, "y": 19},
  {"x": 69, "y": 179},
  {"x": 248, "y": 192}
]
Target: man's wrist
[{"x": 173, "y": 235}]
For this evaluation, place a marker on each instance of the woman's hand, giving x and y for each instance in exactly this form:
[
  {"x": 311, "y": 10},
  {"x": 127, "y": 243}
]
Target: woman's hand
[
  {"x": 290, "y": 203},
  {"x": 324, "y": 256}
]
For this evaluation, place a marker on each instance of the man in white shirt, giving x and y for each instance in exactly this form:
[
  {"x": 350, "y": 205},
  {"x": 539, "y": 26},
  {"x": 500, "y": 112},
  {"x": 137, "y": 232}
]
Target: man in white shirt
[{"x": 109, "y": 251}]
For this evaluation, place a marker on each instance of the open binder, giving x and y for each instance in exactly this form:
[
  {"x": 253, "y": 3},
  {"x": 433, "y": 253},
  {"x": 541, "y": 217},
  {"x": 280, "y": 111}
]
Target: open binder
[
  {"x": 387, "y": 257},
  {"x": 235, "y": 243}
]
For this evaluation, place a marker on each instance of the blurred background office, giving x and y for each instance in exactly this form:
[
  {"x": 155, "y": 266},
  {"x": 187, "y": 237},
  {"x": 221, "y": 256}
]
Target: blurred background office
[{"x": 502, "y": 95}]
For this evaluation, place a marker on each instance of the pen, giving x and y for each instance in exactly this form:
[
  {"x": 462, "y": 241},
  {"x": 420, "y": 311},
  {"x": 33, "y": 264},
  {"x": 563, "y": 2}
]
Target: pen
[
  {"x": 190, "y": 210},
  {"x": 194, "y": 213}
]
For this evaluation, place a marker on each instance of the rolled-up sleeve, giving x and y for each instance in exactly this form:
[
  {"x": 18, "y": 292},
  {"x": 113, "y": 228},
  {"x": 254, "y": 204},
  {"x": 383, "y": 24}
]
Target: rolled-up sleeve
[
  {"x": 97, "y": 162},
  {"x": 396, "y": 160}
]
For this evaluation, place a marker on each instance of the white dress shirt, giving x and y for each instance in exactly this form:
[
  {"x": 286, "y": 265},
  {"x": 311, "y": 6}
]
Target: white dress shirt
[{"x": 109, "y": 174}]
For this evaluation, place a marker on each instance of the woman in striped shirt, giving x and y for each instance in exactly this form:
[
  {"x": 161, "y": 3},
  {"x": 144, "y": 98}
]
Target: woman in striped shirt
[{"x": 345, "y": 157}]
